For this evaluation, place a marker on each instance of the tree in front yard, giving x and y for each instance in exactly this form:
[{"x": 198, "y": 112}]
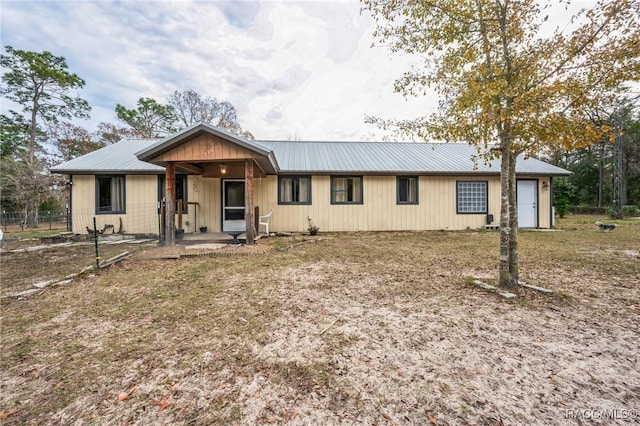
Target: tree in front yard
[
  {"x": 42, "y": 85},
  {"x": 506, "y": 85}
]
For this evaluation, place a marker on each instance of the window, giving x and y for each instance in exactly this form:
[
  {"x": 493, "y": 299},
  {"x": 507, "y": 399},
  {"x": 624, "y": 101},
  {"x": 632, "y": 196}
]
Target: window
[
  {"x": 294, "y": 190},
  {"x": 471, "y": 197},
  {"x": 181, "y": 191},
  {"x": 110, "y": 194},
  {"x": 346, "y": 190},
  {"x": 407, "y": 192}
]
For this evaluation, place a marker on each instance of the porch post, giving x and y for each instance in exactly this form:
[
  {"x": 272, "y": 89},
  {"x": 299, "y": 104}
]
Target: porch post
[
  {"x": 248, "y": 214},
  {"x": 170, "y": 205}
]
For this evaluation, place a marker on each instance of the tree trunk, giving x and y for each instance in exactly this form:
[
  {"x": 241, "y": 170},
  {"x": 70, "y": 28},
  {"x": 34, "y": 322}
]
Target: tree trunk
[
  {"x": 601, "y": 174},
  {"x": 249, "y": 212},
  {"x": 170, "y": 204},
  {"x": 513, "y": 220},
  {"x": 503, "y": 268}
]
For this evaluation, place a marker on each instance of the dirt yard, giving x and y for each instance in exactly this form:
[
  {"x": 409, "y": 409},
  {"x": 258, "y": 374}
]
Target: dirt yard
[{"x": 361, "y": 328}]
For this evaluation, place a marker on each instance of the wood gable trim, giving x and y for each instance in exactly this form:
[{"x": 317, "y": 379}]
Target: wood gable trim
[{"x": 206, "y": 147}]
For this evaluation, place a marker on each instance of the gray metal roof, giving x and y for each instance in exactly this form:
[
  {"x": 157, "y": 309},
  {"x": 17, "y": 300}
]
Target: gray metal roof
[
  {"x": 316, "y": 157},
  {"x": 393, "y": 158},
  {"x": 118, "y": 158}
]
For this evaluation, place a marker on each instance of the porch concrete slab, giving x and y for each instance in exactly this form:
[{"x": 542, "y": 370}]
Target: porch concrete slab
[{"x": 205, "y": 246}]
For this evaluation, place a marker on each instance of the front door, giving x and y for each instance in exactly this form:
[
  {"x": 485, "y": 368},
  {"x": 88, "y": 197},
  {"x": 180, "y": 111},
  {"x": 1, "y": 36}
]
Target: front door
[
  {"x": 527, "y": 203},
  {"x": 233, "y": 205}
]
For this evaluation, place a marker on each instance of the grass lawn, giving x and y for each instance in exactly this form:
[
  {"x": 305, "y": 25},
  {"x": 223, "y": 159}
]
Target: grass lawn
[{"x": 354, "y": 328}]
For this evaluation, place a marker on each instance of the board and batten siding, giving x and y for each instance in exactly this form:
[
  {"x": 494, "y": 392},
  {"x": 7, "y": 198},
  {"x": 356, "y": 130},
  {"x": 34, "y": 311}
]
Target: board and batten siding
[
  {"x": 205, "y": 148},
  {"x": 205, "y": 192},
  {"x": 140, "y": 217},
  {"x": 379, "y": 212}
]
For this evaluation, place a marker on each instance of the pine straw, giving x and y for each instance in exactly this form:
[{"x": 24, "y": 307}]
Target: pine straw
[{"x": 239, "y": 340}]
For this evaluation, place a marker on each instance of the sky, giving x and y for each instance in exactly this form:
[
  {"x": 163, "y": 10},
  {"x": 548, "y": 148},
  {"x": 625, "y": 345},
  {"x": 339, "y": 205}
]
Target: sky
[{"x": 293, "y": 69}]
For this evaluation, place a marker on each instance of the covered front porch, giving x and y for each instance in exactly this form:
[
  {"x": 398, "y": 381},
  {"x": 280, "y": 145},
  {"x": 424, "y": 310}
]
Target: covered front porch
[{"x": 223, "y": 167}]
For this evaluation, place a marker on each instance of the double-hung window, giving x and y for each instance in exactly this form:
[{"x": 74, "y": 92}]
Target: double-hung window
[
  {"x": 110, "y": 194},
  {"x": 346, "y": 189},
  {"x": 471, "y": 197},
  {"x": 407, "y": 190},
  {"x": 294, "y": 190}
]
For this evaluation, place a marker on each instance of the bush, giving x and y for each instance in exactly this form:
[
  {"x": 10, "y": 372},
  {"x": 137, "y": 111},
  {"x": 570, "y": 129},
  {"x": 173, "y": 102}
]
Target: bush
[
  {"x": 587, "y": 210},
  {"x": 563, "y": 191},
  {"x": 631, "y": 211}
]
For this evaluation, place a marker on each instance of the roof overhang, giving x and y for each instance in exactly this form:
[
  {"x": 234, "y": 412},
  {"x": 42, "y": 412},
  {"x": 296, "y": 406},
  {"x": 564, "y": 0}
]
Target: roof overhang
[{"x": 264, "y": 156}]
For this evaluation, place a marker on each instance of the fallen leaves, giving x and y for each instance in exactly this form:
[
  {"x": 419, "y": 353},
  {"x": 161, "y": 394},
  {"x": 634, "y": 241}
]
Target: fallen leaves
[
  {"x": 125, "y": 395},
  {"x": 162, "y": 404},
  {"x": 6, "y": 414},
  {"x": 389, "y": 418}
]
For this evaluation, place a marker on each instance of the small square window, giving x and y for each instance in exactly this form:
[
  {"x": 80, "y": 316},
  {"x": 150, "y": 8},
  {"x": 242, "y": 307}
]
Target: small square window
[
  {"x": 346, "y": 190},
  {"x": 294, "y": 190},
  {"x": 471, "y": 197},
  {"x": 407, "y": 190}
]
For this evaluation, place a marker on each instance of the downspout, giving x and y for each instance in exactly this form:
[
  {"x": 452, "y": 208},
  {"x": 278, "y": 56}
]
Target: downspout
[
  {"x": 552, "y": 215},
  {"x": 70, "y": 207}
]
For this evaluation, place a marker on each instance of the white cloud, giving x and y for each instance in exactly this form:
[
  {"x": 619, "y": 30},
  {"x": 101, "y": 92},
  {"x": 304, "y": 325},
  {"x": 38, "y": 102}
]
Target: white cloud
[
  {"x": 301, "y": 68},
  {"x": 290, "y": 68}
]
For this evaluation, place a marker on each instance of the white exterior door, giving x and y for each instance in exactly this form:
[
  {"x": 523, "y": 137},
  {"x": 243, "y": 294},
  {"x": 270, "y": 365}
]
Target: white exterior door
[
  {"x": 527, "y": 196},
  {"x": 233, "y": 205}
]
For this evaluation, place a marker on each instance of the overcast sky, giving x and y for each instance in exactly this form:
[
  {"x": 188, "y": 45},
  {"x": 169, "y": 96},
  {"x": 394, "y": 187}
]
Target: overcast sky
[{"x": 294, "y": 69}]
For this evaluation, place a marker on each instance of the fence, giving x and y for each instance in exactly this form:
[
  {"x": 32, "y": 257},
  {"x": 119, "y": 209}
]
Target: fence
[
  {"x": 137, "y": 219},
  {"x": 17, "y": 221}
]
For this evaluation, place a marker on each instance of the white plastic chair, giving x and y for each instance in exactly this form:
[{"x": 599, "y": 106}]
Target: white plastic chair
[{"x": 264, "y": 221}]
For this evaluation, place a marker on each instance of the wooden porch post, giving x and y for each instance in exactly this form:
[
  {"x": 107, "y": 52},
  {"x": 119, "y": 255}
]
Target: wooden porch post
[
  {"x": 248, "y": 214},
  {"x": 170, "y": 206}
]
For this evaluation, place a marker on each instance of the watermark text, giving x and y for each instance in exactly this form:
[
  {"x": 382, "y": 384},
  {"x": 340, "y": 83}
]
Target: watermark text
[{"x": 601, "y": 414}]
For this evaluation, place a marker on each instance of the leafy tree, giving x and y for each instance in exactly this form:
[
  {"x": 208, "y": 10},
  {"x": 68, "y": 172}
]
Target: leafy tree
[
  {"x": 108, "y": 133},
  {"x": 41, "y": 84},
  {"x": 71, "y": 141},
  {"x": 190, "y": 108},
  {"x": 14, "y": 132},
  {"x": 563, "y": 192},
  {"x": 502, "y": 82},
  {"x": 150, "y": 118},
  {"x": 593, "y": 166},
  {"x": 183, "y": 109}
]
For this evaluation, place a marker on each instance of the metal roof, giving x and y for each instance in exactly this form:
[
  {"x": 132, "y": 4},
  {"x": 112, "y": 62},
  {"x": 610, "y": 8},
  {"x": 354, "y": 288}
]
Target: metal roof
[
  {"x": 393, "y": 158},
  {"x": 118, "y": 158},
  {"x": 310, "y": 157}
]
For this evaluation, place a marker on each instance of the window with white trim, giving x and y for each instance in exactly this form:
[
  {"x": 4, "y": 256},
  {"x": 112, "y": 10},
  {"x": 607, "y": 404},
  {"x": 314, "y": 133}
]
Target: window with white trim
[{"x": 471, "y": 197}]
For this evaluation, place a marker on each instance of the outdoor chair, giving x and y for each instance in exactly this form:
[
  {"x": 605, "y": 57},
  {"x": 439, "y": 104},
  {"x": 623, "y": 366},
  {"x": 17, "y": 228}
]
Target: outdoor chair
[{"x": 264, "y": 221}]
